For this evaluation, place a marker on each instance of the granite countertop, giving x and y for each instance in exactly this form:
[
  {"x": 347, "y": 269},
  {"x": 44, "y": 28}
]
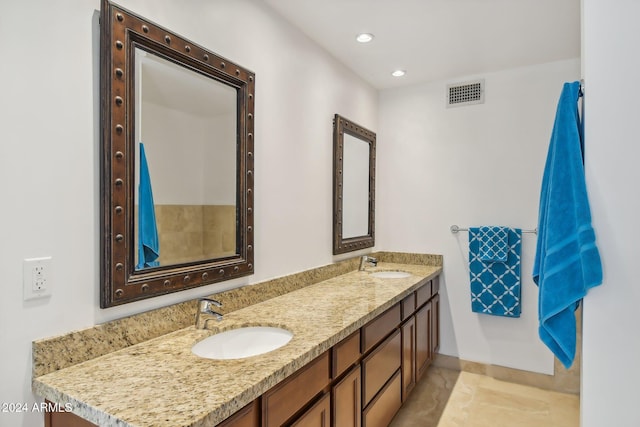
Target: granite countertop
[{"x": 159, "y": 382}]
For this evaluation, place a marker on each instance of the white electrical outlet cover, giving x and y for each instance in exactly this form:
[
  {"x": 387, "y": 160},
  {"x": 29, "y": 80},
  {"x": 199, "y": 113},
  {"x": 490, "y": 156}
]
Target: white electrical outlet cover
[{"x": 36, "y": 278}]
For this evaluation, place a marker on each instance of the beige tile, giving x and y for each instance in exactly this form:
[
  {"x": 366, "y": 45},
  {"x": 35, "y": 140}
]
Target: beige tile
[
  {"x": 481, "y": 401},
  {"x": 427, "y": 400},
  {"x": 497, "y": 408}
]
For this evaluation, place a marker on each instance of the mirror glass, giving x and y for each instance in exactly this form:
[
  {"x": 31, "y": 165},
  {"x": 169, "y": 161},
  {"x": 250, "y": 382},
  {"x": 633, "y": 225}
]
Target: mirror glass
[
  {"x": 187, "y": 125},
  {"x": 177, "y": 157},
  {"x": 354, "y": 186}
]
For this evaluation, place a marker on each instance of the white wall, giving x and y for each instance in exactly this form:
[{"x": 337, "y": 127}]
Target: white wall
[
  {"x": 192, "y": 158},
  {"x": 174, "y": 151},
  {"x": 611, "y": 341},
  {"x": 216, "y": 166},
  {"x": 50, "y": 155},
  {"x": 472, "y": 165}
]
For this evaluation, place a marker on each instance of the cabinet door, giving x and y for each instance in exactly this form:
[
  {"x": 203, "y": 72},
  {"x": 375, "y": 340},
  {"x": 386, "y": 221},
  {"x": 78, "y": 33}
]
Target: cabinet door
[
  {"x": 408, "y": 357},
  {"x": 423, "y": 339},
  {"x": 435, "y": 325},
  {"x": 347, "y": 398},
  {"x": 317, "y": 416},
  {"x": 249, "y": 416}
]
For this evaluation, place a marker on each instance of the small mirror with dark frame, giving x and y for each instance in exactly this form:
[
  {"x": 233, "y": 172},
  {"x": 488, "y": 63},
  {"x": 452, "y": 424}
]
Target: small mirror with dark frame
[
  {"x": 354, "y": 162},
  {"x": 177, "y": 162}
]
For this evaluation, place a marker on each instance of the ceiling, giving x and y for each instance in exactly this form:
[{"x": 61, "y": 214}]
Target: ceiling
[{"x": 437, "y": 39}]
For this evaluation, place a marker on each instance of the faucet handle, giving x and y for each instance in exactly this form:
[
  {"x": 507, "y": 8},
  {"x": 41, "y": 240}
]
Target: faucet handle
[
  {"x": 367, "y": 259},
  {"x": 206, "y": 303},
  {"x": 205, "y": 307},
  {"x": 210, "y": 301}
]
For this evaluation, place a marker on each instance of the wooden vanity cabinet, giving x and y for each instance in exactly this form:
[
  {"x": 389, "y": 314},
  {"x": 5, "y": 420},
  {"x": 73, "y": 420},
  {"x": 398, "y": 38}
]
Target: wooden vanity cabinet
[
  {"x": 420, "y": 333},
  {"x": 360, "y": 382},
  {"x": 372, "y": 371}
]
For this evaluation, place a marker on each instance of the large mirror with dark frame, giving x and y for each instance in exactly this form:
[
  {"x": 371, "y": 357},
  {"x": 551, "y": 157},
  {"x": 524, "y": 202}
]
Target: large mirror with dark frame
[
  {"x": 177, "y": 162},
  {"x": 354, "y": 162}
]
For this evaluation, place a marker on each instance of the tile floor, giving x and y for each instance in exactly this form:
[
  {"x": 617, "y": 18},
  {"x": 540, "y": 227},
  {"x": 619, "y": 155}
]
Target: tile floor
[{"x": 447, "y": 398}]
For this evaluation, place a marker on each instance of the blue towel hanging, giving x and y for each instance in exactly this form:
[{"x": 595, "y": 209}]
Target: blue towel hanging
[
  {"x": 495, "y": 286},
  {"x": 567, "y": 261},
  {"x": 148, "y": 244}
]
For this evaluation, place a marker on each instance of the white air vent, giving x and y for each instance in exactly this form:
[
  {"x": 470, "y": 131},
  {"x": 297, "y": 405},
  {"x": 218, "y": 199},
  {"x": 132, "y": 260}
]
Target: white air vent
[{"x": 467, "y": 93}]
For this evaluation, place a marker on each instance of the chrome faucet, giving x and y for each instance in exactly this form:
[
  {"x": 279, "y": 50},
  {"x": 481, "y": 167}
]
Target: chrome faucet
[
  {"x": 367, "y": 260},
  {"x": 205, "y": 307}
]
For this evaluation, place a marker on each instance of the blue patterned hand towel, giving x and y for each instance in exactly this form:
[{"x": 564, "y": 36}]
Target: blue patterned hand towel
[
  {"x": 495, "y": 286},
  {"x": 494, "y": 243}
]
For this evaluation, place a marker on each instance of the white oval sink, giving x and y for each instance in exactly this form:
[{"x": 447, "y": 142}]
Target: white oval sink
[
  {"x": 390, "y": 274},
  {"x": 242, "y": 342}
]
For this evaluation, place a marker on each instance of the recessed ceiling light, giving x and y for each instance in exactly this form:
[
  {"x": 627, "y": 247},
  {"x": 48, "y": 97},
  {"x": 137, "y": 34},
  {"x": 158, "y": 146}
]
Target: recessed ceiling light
[
  {"x": 398, "y": 73},
  {"x": 364, "y": 37}
]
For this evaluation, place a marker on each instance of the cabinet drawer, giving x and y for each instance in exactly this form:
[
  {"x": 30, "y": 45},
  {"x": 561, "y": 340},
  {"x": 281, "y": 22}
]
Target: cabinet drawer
[
  {"x": 319, "y": 415},
  {"x": 345, "y": 353},
  {"x": 423, "y": 294},
  {"x": 408, "y": 305},
  {"x": 384, "y": 407},
  {"x": 374, "y": 331},
  {"x": 285, "y": 399},
  {"x": 435, "y": 285},
  {"x": 380, "y": 365},
  {"x": 249, "y": 416}
]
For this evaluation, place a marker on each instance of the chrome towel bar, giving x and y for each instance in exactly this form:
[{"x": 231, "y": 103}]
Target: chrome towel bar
[{"x": 454, "y": 229}]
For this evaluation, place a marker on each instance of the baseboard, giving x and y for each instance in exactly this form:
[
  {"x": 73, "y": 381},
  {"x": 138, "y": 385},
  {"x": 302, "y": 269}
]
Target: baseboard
[{"x": 563, "y": 380}]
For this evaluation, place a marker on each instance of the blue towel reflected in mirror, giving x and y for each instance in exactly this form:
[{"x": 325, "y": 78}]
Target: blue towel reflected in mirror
[{"x": 148, "y": 244}]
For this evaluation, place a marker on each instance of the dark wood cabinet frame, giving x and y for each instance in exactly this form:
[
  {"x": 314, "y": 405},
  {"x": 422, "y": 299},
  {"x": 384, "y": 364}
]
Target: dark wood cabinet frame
[{"x": 342, "y": 125}]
